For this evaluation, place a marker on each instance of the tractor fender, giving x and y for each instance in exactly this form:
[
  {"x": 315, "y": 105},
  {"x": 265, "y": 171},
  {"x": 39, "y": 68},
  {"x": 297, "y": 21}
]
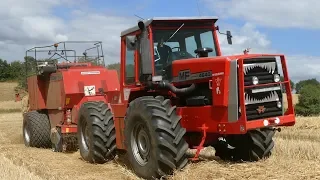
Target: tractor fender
[{"x": 76, "y": 108}]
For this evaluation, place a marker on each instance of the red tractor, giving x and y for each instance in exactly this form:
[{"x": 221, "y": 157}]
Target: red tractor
[
  {"x": 179, "y": 92},
  {"x": 58, "y": 86}
]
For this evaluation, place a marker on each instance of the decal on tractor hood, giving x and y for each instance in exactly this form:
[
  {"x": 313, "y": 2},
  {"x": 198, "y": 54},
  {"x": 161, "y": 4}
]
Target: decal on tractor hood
[
  {"x": 90, "y": 72},
  {"x": 218, "y": 82},
  {"x": 218, "y": 74},
  {"x": 186, "y": 75}
]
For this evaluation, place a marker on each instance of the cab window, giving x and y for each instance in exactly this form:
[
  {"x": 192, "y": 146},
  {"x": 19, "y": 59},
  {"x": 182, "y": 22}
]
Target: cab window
[{"x": 129, "y": 68}]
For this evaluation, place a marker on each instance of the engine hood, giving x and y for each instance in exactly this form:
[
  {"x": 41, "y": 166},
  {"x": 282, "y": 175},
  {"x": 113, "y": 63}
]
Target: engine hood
[{"x": 199, "y": 68}]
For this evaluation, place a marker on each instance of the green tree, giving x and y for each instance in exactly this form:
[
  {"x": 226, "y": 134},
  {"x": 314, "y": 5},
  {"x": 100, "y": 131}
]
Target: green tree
[
  {"x": 115, "y": 66},
  {"x": 309, "y": 101},
  {"x": 16, "y": 69},
  {"x": 93, "y": 61},
  {"x": 303, "y": 83},
  {"x": 4, "y": 70},
  {"x": 28, "y": 68}
]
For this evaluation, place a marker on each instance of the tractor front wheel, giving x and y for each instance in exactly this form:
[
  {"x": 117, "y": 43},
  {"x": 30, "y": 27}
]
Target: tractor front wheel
[
  {"x": 96, "y": 132},
  {"x": 36, "y": 130},
  {"x": 260, "y": 144},
  {"x": 255, "y": 145},
  {"x": 154, "y": 137}
]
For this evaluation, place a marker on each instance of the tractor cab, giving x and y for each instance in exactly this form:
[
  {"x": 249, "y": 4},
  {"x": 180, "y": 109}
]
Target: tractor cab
[
  {"x": 172, "y": 39},
  {"x": 181, "y": 40}
]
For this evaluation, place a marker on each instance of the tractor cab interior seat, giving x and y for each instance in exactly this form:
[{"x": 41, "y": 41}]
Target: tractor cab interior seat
[{"x": 165, "y": 53}]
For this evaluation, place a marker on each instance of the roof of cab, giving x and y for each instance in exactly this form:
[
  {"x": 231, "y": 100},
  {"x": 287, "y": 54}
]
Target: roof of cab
[{"x": 149, "y": 21}]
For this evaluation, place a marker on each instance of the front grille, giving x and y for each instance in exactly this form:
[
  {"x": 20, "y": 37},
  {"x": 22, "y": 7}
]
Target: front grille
[
  {"x": 262, "y": 68},
  {"x": 265, "y": 102},
  {"x": 265, "y": 97}
]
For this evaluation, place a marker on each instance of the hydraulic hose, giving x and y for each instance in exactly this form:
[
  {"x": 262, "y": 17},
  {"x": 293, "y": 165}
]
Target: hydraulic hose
[{"x": 176, "y": 90}]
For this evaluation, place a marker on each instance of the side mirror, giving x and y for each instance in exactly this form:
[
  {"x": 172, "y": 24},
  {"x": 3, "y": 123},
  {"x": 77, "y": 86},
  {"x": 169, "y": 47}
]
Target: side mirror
[
  {"x": 229, "y": 37},
  {"x": 131, "y": 42}
]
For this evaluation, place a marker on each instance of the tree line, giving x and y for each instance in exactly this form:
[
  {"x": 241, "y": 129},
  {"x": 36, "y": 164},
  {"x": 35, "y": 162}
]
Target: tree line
[
  {"x": 308, "y": 90},
  {"x": 10, "y": 71}
]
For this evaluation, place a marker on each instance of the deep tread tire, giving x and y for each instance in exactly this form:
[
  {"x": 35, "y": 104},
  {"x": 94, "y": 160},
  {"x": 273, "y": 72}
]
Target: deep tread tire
[
  {"x": 36, "y": 130},
  {"x": 255, "y": 145},
  {"x": 162, "y": 125},
  {"x": 261, "y": 144},
  {"x": 101, "y": 135}
]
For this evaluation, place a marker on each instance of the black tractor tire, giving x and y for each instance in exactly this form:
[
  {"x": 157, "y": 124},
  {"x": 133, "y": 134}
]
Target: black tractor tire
[
  {"x": 255, "y": 145},
  {"x": 159, "y": 148},
  {"x": 261, "y": 142},
  {"x": 96, "y": 132},
  {"x": 36, "y": 130}
]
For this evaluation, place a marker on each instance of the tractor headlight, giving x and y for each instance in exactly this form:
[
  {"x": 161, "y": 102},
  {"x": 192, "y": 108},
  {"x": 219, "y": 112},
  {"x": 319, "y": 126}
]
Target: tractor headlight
[
  {"x": 279, "y": 104},
  {"x": 255, "y": 80},
  {"x": 276, "y": 78}
]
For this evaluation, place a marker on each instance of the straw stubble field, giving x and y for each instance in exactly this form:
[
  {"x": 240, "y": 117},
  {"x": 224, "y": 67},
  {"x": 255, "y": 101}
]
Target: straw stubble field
[{"x": 296, "y": 156}]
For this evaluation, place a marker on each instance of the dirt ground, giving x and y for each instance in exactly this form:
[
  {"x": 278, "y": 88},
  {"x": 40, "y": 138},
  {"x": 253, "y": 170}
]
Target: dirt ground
[
  {"x": 7, "y": 91},
  {"x": 296, "y": 156}
]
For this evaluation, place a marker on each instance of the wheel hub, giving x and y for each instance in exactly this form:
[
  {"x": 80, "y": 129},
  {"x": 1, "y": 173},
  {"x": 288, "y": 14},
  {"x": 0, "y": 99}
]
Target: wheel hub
[
  {"x": 143, "y": 143},
  {"x": 26, "y": 134},
  {"x": 85, "y": 136},
  {"x": 140, "y": 143}
]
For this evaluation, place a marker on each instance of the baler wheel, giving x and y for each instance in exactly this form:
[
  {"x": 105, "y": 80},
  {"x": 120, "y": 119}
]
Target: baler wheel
[
  {"x": 96, "y": 132},
  {"x": 36, "y": 130},
  {"x": 154, "y": 137}
]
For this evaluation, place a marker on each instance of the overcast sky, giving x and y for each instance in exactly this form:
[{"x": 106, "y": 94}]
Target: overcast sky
[{"x": 290, "y": 27}]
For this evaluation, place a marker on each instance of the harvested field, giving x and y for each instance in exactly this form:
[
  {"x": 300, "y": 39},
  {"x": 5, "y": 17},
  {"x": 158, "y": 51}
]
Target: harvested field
[
  {"x": 10, "y": 106},
  {"x": 7, "y": 91},
  {"x": 296, "y": 156}
]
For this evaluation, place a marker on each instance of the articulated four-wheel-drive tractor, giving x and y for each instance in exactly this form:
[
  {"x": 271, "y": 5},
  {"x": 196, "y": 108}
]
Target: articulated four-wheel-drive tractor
[{"x": 176, "y": 91}]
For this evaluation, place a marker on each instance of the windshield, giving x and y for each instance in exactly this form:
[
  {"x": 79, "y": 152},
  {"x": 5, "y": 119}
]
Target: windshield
[{"x": 182, "y": 44}]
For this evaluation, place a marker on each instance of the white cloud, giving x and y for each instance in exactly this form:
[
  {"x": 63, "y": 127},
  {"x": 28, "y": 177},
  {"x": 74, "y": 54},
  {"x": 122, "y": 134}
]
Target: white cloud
[
  {"x": 272, "y": 13},
  {"x": 43, "y": 28},
  {"x": 300, "y": 67},
  {"x": 244, "y": 37},
  {"x": 91, "y": 26},
  {"x": 26, "y": 25}
]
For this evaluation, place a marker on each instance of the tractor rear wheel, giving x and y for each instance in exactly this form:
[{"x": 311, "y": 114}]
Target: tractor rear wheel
[
  {"x": 36, "y": 130},
  {"x": 255, "y": 145},
  {"x": 154, "y": 137},
  {"x": 96, "y": 132}
]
